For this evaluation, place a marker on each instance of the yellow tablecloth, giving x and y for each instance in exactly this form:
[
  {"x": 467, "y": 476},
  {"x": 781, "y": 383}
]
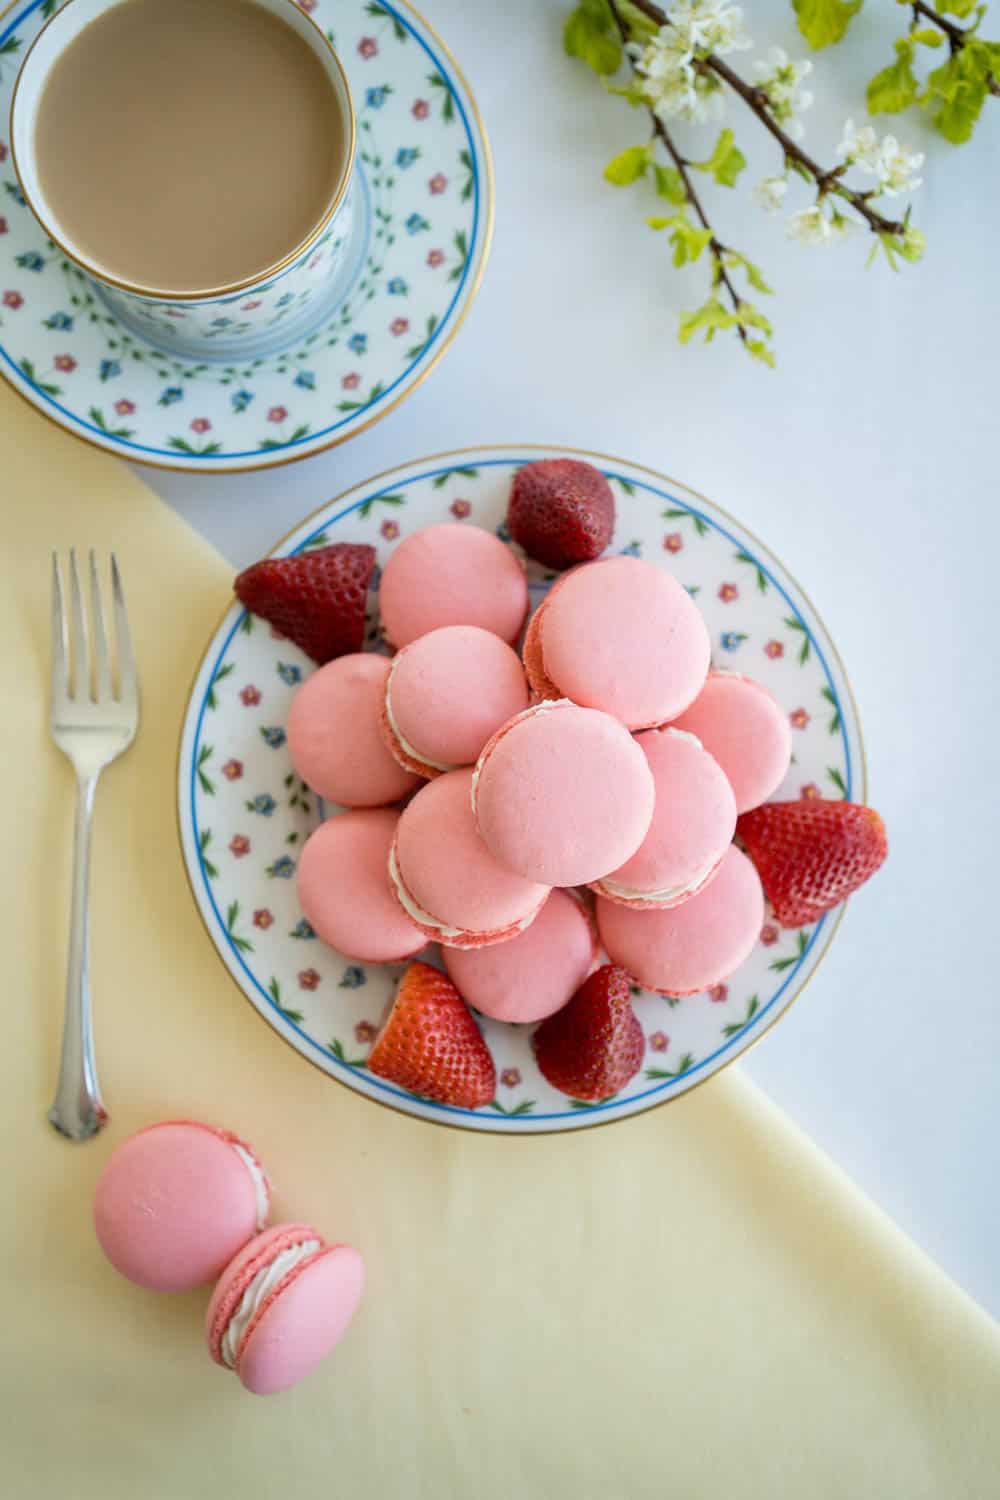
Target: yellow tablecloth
[{"x": 695, "y": 1303}]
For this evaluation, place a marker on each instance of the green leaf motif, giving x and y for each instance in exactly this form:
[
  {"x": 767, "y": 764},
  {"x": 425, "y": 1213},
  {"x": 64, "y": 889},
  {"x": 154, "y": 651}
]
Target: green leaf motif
[
  {"x": 895, "y": 88},
  {"x": 204, "y": 839},
  {"x": 337, "y": 1048},
  {"x": 591, "y": 36},
  {"x": 628, "y": 166},
  {"x": 822, "y": 22},
  {"x": 685, "y": 1064},
  {"x": 204, "y": 756},
  {"x": 833, "y": 725},
  {"x": 524, "y": 1108},
  {"x": 365, "y": 510},
  {"x": 837, "y": 779},
  {"x": 751, "y": 562},
  {"x": 726, "y": 161},
  {"x": 752, "y": 1008},
  {"x": 804, "y": 643},
  {"x": 211, "y": 701}
]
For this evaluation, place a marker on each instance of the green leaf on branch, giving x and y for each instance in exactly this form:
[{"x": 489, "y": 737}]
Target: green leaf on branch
[
  {"x": 687, "y": 239},
  {"x": 711, "y": 318},
  {"x": 590, "y": 35},
  {"x": 726, "y": 161},
  {"x": 760, "y": 350},
  {"x": 956, "y": 92},
  {"x": 630, "y": 92},
  {"x": 733, "y": 258},
  {"x": 927, "y": 37},
  {"x": 824, "y": 21},
  {"x": 670, "y": 184},
  {"x": 640, "y": 26},
  {"x": 749, "y": 316},
  {"x": 895, "y": 88},
  {"x": 628, "y": 166},
  {"x": 960, "y": 8}
]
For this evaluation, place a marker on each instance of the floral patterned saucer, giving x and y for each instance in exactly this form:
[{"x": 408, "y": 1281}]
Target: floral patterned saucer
[
  {"x": 244, "y": 815},
  {"x": 424, "y": 219}
]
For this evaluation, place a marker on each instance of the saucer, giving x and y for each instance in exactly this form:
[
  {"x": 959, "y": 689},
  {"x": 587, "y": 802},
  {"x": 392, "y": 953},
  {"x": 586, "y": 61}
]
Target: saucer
[
  {"x": 423, "y": 223},
  {"x": 244, "y": 815}
]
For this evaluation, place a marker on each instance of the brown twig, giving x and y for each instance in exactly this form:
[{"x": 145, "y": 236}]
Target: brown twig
[{"x": 957, "y": 35}]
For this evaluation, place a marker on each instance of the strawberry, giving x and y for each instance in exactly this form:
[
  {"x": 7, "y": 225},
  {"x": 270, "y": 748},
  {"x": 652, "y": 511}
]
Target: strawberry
[
  {"x": 316, "y": 599},
  {"x": 431, "y": 1045},
  {"x": 561, "y": 512},
  {"x": 810, "y": 855},
  {"x": 594, "y": 1045}
]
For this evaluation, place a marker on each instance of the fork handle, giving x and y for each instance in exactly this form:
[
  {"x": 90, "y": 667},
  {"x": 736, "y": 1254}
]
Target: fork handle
[{"x": 77, "y": 1110}]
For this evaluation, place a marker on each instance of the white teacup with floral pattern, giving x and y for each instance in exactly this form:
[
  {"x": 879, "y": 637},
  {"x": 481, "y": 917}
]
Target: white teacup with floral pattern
[{"x": 254, "y": 316}]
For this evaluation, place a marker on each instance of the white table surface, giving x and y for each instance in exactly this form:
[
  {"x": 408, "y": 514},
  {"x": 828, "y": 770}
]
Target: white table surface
[{"x": 867, "y": 460}]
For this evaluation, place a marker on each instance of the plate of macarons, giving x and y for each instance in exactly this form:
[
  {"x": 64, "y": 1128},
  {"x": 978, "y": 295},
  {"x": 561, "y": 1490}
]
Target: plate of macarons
[{"x": 521, "y": 789}]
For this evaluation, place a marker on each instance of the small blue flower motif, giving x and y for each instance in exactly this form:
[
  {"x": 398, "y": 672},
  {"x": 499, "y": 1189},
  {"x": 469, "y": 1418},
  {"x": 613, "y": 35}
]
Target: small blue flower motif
[
  {"x": 282, "y": 869},
  {"x": 285, "y": 300},
  {"x": 241, "y": 400},
  {"x": 398, "y": 287},
  {"x": 305, "y": 380},
  {"x": 289, "y": 673},
  {"x": 30, "y": 260},
  {"x": 502, "y": 532},
  {"x": 415, "y": 223},
  {"x": 273, "y": 736},
  {"x": 221, "y": 323},
  {"x": 263, "y": 803},
  {"x": 358, "y": 343},
  {"x": 731, "y": 640},
  {"x": 353, "y": 978},
  {"x": 634, "y": 549},
  {"x": 109, "y": 368},
  {"x": 376, "y": 97},
  {"x": 62, "y": 322},
  {"x": 170, "y": 395},
  {"x": 406, "y": 156},
  {"x": 302, "y": 929}
]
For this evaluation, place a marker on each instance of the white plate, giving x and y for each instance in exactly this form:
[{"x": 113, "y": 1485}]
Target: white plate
[{"x": 244, "y": 815}]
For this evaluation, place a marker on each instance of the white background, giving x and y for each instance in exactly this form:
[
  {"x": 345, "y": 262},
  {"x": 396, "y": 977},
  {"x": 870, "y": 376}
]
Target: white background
[{"x": 868, "y": 461}]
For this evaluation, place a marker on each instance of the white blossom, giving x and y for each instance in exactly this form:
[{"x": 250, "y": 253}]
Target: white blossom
[
  {"x": 668, "y": 78},
  {"x": 892, "y": 164},
  {"x": 770, "y": 193},
  {"x": 810, "y": 226},
  {"x": 780, "y": 79},
  {"x": 708, "y": 26},
  {"x": 859, "y": 148}
]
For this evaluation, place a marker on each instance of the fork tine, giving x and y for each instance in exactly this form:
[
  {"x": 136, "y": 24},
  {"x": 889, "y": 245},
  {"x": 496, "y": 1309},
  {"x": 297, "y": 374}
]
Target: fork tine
[
  {"x": 81, "y": 649},
  {"x": 60, "y": 684},
  {"x": 127, "y": 690},
  {"x": 102, "y": 677}
]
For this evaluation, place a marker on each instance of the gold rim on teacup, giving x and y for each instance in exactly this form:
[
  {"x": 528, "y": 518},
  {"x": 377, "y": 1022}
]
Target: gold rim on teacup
[{"x": 325, "y": 50}]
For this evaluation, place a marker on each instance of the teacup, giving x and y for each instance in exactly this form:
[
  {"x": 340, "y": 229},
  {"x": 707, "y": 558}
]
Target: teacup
[{"x": 246, "y": 317}]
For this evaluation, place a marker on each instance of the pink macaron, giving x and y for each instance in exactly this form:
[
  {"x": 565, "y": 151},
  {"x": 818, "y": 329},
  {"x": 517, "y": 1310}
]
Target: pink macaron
[
  {"x": 535, "y": 974},
  {"x": 563, "y": 794},
  {"x": 452, "y": 575},
  {"x": 334, "y": 735},
  {"x": 531, "y": 648},
  {"x": 747, "y": 731},
  {"x": 344, "y": 890},
  {"x": 622, "y": 635},
  {"x": 447, "y": 881},
  {"x": 693, "y": 825},
  {"x": 447, "y": 693},
  {"x": 282, "y": 1305},
  {"x": 176, "y": 1202},
  {"x": 686, "y": 949}
]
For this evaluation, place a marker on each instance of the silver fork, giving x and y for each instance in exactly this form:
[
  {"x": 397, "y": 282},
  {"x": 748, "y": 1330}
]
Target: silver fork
[{"x": 93, "y": 720}]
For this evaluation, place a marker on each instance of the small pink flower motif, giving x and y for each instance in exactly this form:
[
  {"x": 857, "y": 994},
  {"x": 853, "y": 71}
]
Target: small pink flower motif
[
  {"x": 435, "y": 258},
  {"x": 250, "y": 306},
  {"x": 13, "y": 300},
  {"x": 365, "y": 1032},
  {"x": 124, "y": 407},
  {"x": 510, "y": 1078},
  {"x": 233, "y": 770},
  {"x": 673, "y": 541},
  {"x": 201, "y": 424},
  {"x": 390, "y": 530},
  {"x": 810, "y": 790},
  {"x": 277, "y": 414},
  {"x": 659, "y": 1041},
  {"x": 460, "y": 509},
  {"x": 308, "y": 979},
  {"x": 368, "y": 47},
  {"x": 3, "y": 226},
  {"x": 798, "y": 718},
  {"x": 239, "y": 845},
  {"x": 174, "y": 312},
  {"x": 437, "y": 184},
  {"x": 262, "y": 918},
  {"x": 728, "y": 592},
  {"x": 769, "y": 934},
  {"x": 719, "y": 993},
  {"x": 307, "y": 5},
  {"x": 352, "y": 381},
  {"x": 314, "y": 262},
  {"x": 250, "y": 696},
  {"x": 3, "y": 151},
  {"x": 774, "y": 649},
  {"x": 65, "y": 362},
  {"x": 398, "y": 326},
  {"x": 421, "y": 109}
]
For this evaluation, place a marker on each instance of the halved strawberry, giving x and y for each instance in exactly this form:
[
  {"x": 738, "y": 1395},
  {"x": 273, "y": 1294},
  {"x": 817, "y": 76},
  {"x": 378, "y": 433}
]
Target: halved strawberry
[
  {"x": 561, "y": 511},
  {"x": 594, "y": 1045},
  {"x": 810, "y": 855},
  {"x": 431, "y": 1045},
  {"x": 316, "y": 599}
]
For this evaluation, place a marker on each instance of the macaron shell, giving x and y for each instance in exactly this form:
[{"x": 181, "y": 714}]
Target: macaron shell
[
  {"x": 531, "y": 648},
  {"x": 334, "y": 739},
  {"x": 241, "y": 1270},
  {"x": 534, "y": 974},
  {"x": 623, "y": 636},
  {"x": 175, "y": 1203},
  {"x": 563, "y": 794},
  {"x": 747, "y": 731},
  {"x": 344, "y": 889},
  {"x": 688, "y": 948},
  {"x": 452, "y": 575},
  {"x": 302, "y": 1321}
]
